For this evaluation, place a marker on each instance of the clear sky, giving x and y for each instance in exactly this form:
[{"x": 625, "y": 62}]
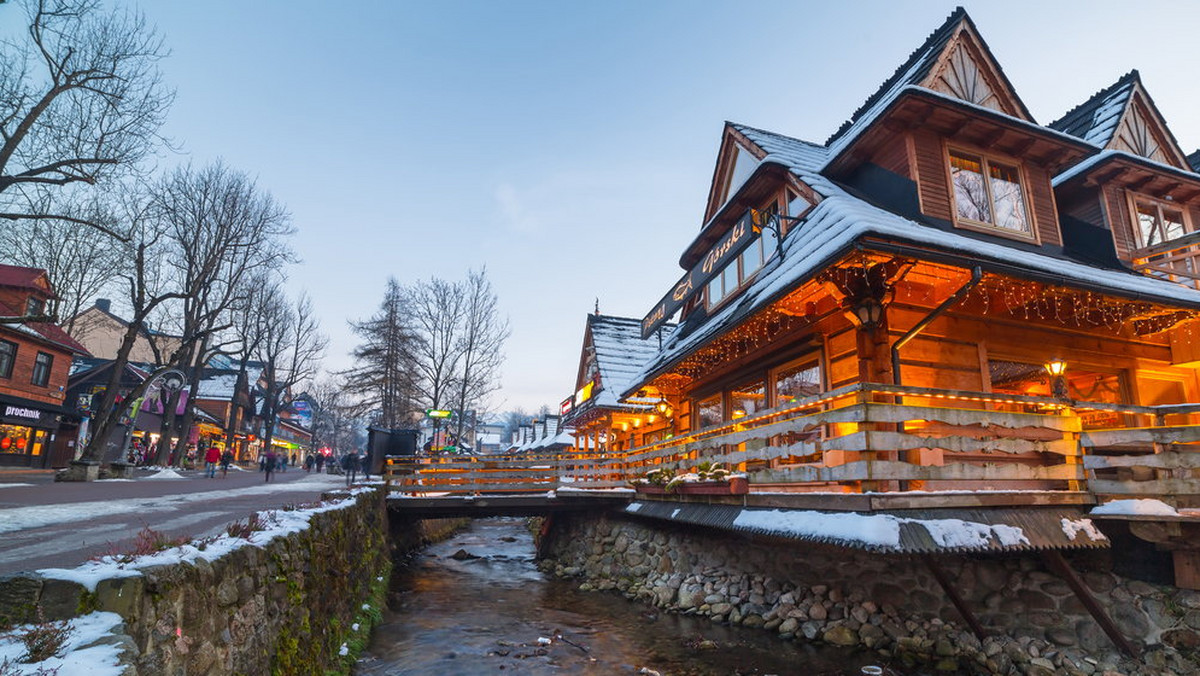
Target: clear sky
[{"x": 569, "y": 146}]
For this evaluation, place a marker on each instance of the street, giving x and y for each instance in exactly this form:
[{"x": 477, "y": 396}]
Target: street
[{"x": 44, "y": 524}]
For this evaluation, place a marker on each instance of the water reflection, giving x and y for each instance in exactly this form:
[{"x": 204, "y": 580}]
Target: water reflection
[{"x": 476, "y": 604}]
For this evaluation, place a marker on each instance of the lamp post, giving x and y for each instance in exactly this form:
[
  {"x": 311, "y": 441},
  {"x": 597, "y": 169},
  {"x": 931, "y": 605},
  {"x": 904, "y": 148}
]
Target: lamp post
[{"x": 1057, "y": 368}]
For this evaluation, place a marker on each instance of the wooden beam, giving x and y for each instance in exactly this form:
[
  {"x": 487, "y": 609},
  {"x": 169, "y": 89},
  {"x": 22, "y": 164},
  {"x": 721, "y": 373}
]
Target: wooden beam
[
  {"x": 1054, "y": 559},
  {"x": 959, "y": 604}
]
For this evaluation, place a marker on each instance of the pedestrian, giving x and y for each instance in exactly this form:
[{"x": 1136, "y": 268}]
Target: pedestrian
[
  {"x": 292, "y": 460},
  {"x": 211, "y": 457},
  {"x": 364, "y": 463},
  {"x": 226, "y": 461},
  {"x": 262, "y": 462},
  {"x": 269, "y": 460},
  {"x": 320, "y": 463},
  {"x": 309, "y": 461},
  {"x": 350, "y": 465}
]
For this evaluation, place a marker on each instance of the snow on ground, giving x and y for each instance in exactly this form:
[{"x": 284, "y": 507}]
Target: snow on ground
[
  {"x": 164, "y": 474},
  {"x": 876, "y": 529},
  {"x": 1136, "y": 507},
  {"x": 13, "y": 485},
  {"x": 277, "y": 523},
  {"x": 78, "y": 658},
  {"x": 21, "y": 518}
]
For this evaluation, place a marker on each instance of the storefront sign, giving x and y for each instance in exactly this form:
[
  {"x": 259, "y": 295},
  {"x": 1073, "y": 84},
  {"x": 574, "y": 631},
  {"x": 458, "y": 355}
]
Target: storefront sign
[
  {"x": 17, "y": 414},
  {"x": 726, "y": 250}
]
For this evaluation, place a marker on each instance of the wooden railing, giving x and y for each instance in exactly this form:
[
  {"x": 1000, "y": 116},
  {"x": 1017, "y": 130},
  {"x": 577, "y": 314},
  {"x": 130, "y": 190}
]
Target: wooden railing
[
  {"x": 1177, "y": 260},
  {"x": 875, "y": 438}
]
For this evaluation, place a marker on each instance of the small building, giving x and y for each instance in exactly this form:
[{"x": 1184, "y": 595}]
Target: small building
[
  {"x": 36, "y": 429},
  {"x": 102, "y": 331}
]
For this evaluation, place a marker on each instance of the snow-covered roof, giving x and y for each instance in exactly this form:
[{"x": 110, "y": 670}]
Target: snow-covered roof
[
  {"x": 620, "y": 354},
  {"x": 840, "y": 220},
  {"x": 1095, "y": 120}
]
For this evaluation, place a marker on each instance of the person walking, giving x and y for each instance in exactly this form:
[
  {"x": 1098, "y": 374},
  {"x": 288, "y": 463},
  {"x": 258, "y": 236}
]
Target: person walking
[
  {"x": 309, "y": 461},
  {"x": 350, "y": 465},
  {"x": 320, "y": 463},
  {"x": 211, "y": 457},
  {"x": 269, "y": 465},
  {"x": 226, "y": 461}
]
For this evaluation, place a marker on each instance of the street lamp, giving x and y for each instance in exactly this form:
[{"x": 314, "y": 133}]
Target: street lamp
[{"x": 1057, "y": 368}]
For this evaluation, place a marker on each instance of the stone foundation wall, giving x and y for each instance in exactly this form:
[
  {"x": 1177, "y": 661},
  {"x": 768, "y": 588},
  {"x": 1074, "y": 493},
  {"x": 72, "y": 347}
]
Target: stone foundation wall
[
  {"x": 1035, "y": 623},
  {"x": 286, "y": 607}
]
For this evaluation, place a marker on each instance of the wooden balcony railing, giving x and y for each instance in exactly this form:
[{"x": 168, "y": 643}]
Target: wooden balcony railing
[
  {"x": 877, "y": 438},
  {"x": 1177, "y": 260}
]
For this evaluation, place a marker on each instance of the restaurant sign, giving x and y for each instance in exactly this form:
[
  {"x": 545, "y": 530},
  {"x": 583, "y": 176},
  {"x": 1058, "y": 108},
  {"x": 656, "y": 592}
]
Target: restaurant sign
[
  {"x": 727, "y": 249},
  {"x": 27, "y": 415}
]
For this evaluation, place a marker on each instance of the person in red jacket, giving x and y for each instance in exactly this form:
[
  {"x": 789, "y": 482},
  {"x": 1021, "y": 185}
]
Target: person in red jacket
[{"x": 211, "y": 457}]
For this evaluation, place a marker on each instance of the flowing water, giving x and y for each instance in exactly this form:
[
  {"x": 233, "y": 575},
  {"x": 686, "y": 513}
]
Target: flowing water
[{"x": 497, "y": 613}]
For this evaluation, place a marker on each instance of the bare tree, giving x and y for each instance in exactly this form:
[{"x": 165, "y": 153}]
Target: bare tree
[
  {"x": 382, "y": 381},
  {"x": 223, "y": 229},
  {"x": 437, "y": 309},
  {"x": 334, "y": 420},
  {"x": 291, "y": 350},
  {"x": 81, "y": 98},
  {"x": 480, "y": 342},
  {"x": 79, "y": 261}
]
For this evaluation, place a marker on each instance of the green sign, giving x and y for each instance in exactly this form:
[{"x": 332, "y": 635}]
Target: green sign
[{"x": 437, "y": 413}]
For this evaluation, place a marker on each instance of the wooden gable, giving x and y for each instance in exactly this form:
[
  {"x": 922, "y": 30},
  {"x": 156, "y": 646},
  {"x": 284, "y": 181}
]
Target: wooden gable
[
  {"x": 1142, "y": 131},
  {"x": 966, "y": 70},
  {"x": 733, "y": 144}
]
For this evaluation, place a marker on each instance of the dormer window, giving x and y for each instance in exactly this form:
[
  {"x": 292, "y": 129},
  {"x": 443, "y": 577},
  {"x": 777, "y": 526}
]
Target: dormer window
[
  {"x": 988, "y": 193},
  {"x": 34, "y": 306},
  {"x": 1156, "y": 221}
]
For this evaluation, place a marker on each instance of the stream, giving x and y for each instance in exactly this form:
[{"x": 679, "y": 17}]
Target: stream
[{"x": 477, "y": 604}]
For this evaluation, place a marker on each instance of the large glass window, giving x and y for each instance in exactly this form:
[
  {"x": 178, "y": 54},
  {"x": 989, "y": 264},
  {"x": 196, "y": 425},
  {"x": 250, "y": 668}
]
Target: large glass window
[
  {"x": 42, "y": 365},
  {"x": 708, "y": 412},
  {"x": 797, "y": 380},
  {"x": 1157, "y": 222},
  {"x": 8, "y": 357},
  {"x": 747, "y": 399},
  {"x": 744, "y": 164},
  {"x": 988, "y": 192}
]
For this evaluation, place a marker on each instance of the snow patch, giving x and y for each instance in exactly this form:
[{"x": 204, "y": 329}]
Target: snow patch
[
  {"x": 1142, "y": 506},
  {"x": 881, "y": 530},
  {"x": 80, "y": 653},
  {"x": 1085, "y": 526}
]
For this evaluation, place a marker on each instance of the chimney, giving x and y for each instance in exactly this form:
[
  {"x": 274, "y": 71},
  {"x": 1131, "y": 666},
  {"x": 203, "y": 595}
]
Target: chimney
[{"x": 104, "y": 304}]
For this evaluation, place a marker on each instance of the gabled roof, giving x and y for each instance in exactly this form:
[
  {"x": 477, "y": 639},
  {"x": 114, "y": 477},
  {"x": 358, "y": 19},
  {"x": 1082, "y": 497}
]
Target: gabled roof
[
  {"x": 44, "y": 331},
  {"x": 1194, "y": 161},
  {"x": 620, "y": 353},
  {"x": 842, "y": 219},
  {"x": 920, "y": 64},
  {"x": 1096, "y": 119},
  {"x": 32, "y": 279},
  {"x": 1119, "y": 109}
]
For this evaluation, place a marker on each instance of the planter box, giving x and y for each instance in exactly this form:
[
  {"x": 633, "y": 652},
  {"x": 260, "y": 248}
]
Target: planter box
[{"x": 734, "y": 486}]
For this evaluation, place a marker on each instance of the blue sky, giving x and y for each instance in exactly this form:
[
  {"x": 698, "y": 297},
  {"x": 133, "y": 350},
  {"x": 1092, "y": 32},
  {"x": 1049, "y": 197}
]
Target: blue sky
[{"x": 569, "y": 146}]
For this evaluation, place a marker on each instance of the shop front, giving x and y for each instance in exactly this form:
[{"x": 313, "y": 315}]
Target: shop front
[{"x": 27, "y": 431}]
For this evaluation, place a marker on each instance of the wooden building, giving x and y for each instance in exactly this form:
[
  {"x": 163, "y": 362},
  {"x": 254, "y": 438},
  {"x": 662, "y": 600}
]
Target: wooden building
[
  {"x": 36, "y": 430},
  {"x": 945, "y": 295}
]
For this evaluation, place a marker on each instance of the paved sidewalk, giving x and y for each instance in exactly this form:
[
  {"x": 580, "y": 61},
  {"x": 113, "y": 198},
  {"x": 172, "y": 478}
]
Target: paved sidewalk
[{"x": 44, "y": 524}]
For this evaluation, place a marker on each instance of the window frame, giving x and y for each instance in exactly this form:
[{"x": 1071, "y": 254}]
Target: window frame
[
  {"x": 38, "y": 367},
  {"x": 12, "y": 362},
  {"x": 986, "y": 158},
  {"x": 743, "y": 279},
  {"x": 809, "y": 360},
  {"x": 1132, "y": 199}
]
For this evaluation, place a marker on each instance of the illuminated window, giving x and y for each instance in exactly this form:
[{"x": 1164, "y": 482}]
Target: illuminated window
[
  {"x": 708, "y": 412},
  {"x": 8, "y": 356},
  {"x": 797, "y": 380},
  {"x": 42, "y": 365},
  {"x": 747, "y": 399},
  {"x": 988, "y": 192},
  {"x": 1157, "y": 222}
]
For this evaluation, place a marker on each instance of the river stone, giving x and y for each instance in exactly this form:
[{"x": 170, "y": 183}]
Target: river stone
[
  {"x": 713, "y": 599},
  {"x": 1061, "y": 636},
  {"x": 1040, "y": 666},
  {"x": 889, "y": 594},
  {"x": 818, "y": 612},
  {"x": 1131, "y": 620},
  {"x": 621, "y": 544},
  {"x": 811, "y": 629},
  {"x": 1188, "y": 598},
  {"x": 789, "y": 626},
  {"x": 721, "y": 608},
  {"x": 752, "y": 620},
  {"x": 1192, "y": 619},
  {"x": 860, "y": 614},
  {"x": 992, "y": 575},
  {"x": 841, "y": 635},
  {"x": 1033, "y": 600},
  {"x": 1183, "y": 640},
  {"x": 227, "y": 592},
  {"x": 1139, "y": 588}
]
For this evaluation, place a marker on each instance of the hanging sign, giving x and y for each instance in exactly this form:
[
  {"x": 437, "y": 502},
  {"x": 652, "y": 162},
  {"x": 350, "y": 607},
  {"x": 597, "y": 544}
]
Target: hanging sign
[{"x": 727, "y": 249}]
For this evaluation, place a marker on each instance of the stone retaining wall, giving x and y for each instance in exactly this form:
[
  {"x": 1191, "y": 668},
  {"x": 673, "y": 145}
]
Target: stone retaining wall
[
  {"x": 1035, "y": 623},
  {"x": 285, "y": 607}
]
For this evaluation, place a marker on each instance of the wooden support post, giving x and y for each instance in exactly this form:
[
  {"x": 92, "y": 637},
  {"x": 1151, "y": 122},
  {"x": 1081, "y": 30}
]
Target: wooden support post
[
  {"x": 1054, "y": 559},
  {"x": 959, "y": 604}
]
